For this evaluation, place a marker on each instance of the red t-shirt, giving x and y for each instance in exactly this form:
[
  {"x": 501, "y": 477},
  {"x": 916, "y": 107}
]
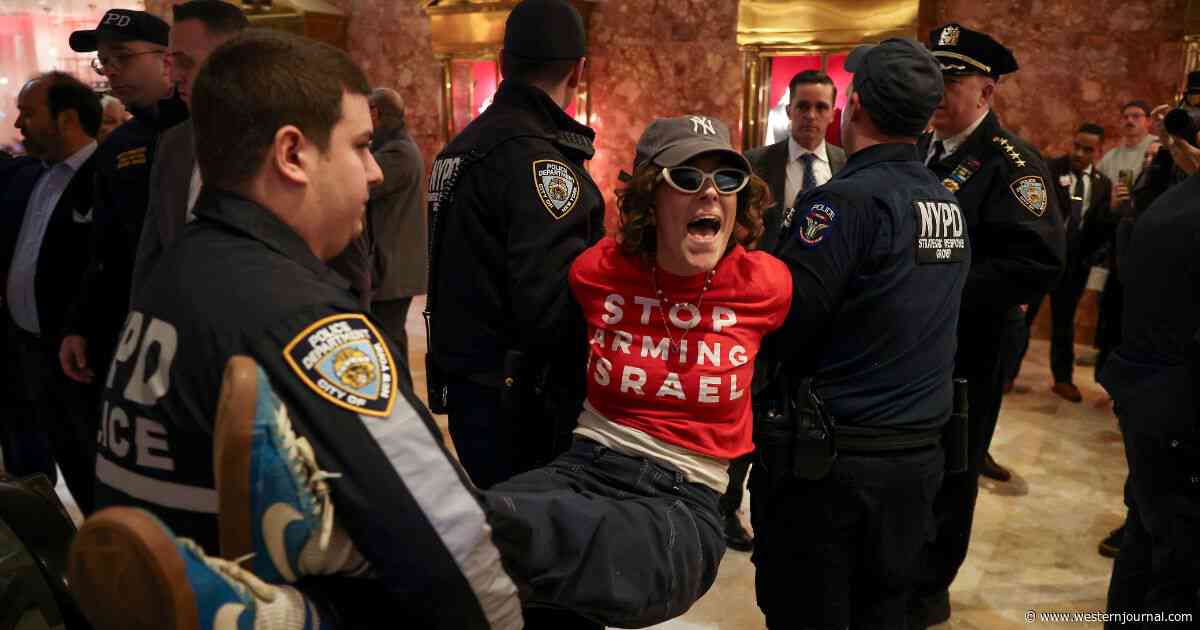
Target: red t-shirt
[{"x": 691, "y": 390}]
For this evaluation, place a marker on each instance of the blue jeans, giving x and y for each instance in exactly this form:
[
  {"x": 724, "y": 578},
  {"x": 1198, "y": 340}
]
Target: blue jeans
[{"x": 622, "y": 540}]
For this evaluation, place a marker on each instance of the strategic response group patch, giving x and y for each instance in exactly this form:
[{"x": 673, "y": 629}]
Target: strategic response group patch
[
  {"x": 818, "y": 219},
  {"x": 1031, "y": 192},
  {"x": 941, "y": 232},
  {"x": 556, "y": 186},
  {"x": 345, "y": 360}
]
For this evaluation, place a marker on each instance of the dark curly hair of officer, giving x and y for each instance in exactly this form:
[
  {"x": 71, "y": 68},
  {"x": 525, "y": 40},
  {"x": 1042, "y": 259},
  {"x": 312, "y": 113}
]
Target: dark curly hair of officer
[{"x": 636, "y": 229}]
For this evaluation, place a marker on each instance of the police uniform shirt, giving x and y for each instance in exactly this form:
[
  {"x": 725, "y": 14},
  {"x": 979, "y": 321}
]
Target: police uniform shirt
[
  {"x": 951, "y": 144},
  {"x": 879, "y": 257},
  {"x": 122, "y": 193},
  {"x": 240, "y": 282},
  {"x": 511, "y": 207},
  {"x": 1016, "y": 229}
]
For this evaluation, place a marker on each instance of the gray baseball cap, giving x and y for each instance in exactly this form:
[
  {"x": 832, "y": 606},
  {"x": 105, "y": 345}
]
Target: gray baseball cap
[
  {"x": 672, "y": 141},
  {"x": 899, "y": 83}
]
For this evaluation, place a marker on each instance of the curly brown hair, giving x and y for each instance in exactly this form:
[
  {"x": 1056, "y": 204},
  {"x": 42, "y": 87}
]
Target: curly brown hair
[{"x": 637, "y": 233}]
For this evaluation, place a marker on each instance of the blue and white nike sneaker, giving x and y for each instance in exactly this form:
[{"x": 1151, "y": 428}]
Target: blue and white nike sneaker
[
  {"x": 128, "y": 572},
  {"x": 274, "y": 499}
]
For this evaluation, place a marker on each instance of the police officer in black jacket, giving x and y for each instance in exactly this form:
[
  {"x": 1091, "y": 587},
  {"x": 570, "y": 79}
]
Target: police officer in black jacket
[
  {"x": 1018, "y": 252},
  {"x": 131, "y": 46},
  {"x": 249, "y": 277},
  {"x": 1153, "y": 377},
  {"x": 511, "y": 206},
  {"x": 879, "y": 257}
]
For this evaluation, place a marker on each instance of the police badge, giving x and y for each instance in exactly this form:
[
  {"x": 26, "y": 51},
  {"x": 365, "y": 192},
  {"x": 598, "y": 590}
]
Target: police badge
[
  {"x": 556, "y": 186},
  {"x": 949, "y": 36},
  {"x": 344, "y": 360},
  {"x": 1031, "y": 192}
]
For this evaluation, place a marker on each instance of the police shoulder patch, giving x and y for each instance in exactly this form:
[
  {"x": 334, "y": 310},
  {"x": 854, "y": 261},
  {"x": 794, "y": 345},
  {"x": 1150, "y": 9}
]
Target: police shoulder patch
[
  {"x": 556, "y": 186},
  {"x": 817, "y": 220},
  {"x": 1030, "y": 190},
  {"x": 344, "y": 360}
]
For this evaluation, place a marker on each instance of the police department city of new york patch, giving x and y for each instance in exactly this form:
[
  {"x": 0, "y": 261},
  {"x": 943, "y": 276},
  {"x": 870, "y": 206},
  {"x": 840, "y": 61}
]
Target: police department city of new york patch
[
  {"x": 1031, "y": 192},
  {"x": 817, "y": 221},
  {"x": 556, "y": 186},
  {"x": 344, "y": 360}
]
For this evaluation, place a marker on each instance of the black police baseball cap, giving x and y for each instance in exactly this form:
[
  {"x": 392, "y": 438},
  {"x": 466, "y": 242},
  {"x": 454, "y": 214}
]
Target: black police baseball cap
[
  {"x": 961, "y": 51},
  {"x": 122, "y": 25},
  {"x": 672, "y": 141},
  {"x": 899, "y": 84},
  {"x": 545, "y": 30}
]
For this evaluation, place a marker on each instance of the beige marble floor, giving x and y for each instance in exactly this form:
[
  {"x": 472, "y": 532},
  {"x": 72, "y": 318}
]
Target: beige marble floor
[{"x": 1034, "y": 544}]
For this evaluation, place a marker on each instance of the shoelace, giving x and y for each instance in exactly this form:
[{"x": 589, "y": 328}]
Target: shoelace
[
  {"x": 303, "y": 464},
  {"x": 245, "y": 583}
]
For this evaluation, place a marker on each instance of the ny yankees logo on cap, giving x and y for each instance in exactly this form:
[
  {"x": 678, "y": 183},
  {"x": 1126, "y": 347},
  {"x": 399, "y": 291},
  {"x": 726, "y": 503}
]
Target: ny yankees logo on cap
[{"x": 703, "y": 124}]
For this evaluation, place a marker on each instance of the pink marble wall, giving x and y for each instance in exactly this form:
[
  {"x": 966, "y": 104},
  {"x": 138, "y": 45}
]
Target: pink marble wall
[
  {"x": 390, "y": 40},
  {"x": 654, "y": 58},
  {"x": 1080, "y": 59}
]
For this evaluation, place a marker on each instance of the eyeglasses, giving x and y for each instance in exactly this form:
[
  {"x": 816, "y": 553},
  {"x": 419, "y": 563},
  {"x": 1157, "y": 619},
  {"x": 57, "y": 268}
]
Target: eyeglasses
[
  {"x": 689, "y": 179},
  {"x": 116, "y": 62}
]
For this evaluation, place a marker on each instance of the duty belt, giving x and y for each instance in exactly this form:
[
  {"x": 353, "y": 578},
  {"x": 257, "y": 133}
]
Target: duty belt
[{"x": 852, "y": 439}]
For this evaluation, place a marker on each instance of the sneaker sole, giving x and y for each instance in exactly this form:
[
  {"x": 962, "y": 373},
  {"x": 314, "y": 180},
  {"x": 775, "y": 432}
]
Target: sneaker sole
[
  {"x": 233, "y": 434},
  {"x": 126, "y": 573}
]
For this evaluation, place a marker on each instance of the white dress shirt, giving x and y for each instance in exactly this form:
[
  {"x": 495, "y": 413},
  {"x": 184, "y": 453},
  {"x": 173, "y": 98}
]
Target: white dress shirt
[
  {"x": 822, "y": 171},
  {"x": 951, "y": 144},
  {"x": 21, "y": 295},
  {"x": 1069, "y": 181},
  {"x": 193, "y": 192}
]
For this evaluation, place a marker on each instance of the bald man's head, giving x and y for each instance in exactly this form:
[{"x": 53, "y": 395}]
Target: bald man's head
[{"x": 387, "y": 109}]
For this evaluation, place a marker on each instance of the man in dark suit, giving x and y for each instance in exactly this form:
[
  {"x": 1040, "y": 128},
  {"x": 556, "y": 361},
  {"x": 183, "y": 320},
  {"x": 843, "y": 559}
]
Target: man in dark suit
[
  {"x": 200, "y": 26},
  {"x": 786, "y": 165},
  {"x": 46, "y": 204},
  {"x": 396, "y": 217},
  {"x": 803, "y": 161},
  {"x": 1084, "y": 193}
]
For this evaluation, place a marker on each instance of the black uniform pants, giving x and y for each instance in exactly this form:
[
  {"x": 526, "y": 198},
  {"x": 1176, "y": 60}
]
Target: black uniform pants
[
  {"x": 1158, "y": 569},
  {"x": 844, "y": 551},
  {"x": 68, "y": 413},
  {"x": 622, "y": 540},
  {"x": 1064, "y": 301},
  {"x": 980, "y": 348}
]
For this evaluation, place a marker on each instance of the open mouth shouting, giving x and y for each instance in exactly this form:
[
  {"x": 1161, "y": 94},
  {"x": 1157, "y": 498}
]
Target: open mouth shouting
[{"x": 704, "y": 228}]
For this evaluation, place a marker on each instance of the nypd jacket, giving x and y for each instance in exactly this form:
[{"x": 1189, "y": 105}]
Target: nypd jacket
[
  {"x": 1018, "y": 246},
  {"x": 883, "y": 248},
  {"x": 511, "y": 206},
  {"x": 121, "y": 190},
  {"x": 241, "y": 282}
]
